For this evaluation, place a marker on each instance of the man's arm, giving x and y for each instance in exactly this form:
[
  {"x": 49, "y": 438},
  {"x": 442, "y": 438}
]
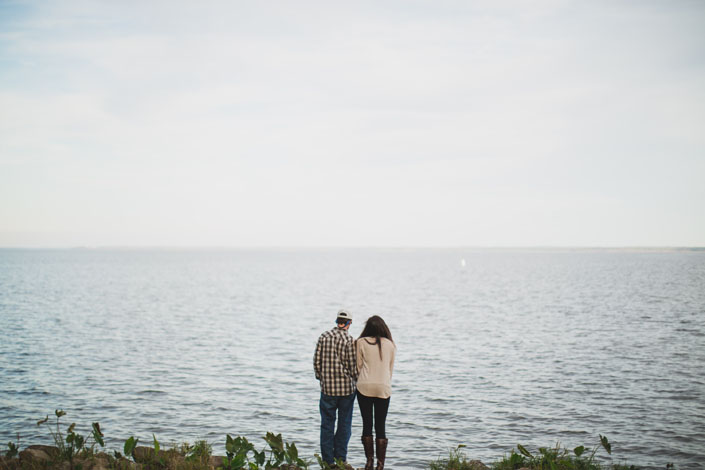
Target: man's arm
[
  {"x": 358, "y": 358},
  {"x": 317, "y": 360}
]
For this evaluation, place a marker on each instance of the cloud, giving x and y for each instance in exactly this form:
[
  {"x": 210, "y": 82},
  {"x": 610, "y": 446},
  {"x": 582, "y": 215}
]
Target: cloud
[{"x": 366, "y": 123}]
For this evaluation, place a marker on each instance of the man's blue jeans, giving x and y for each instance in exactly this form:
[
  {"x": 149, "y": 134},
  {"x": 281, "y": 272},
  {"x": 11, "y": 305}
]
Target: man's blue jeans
[{"x": 335, "y": 446}]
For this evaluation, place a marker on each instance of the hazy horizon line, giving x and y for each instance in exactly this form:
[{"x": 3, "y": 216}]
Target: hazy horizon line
[{"x": 646, "y": 248}]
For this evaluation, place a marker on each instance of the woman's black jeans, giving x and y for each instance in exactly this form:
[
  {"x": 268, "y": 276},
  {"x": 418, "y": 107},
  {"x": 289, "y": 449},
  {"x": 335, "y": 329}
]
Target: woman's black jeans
[{"x": 370, "y": 406}]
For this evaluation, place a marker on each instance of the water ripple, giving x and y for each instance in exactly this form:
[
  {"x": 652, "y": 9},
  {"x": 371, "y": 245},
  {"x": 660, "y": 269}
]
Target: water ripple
[{"x": 517, "y": 347}]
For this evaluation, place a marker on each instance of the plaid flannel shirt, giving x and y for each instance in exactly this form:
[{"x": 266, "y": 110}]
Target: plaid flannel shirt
[{"x": 334, "y": 363}]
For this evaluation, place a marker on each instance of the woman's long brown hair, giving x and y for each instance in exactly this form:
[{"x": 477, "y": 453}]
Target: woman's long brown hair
[{"x": 376, "y": 328}]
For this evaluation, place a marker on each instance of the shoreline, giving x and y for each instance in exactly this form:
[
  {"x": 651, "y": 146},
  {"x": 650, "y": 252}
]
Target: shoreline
[{"x": 76, "y": 452}]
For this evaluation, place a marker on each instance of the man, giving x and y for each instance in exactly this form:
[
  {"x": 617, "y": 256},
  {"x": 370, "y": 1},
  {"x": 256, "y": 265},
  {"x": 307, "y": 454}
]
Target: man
[{"x": 334, "y": 364}]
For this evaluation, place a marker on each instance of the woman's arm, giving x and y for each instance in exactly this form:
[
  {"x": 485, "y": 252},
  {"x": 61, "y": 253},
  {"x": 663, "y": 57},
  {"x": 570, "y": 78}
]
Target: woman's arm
[
  {"x": 391, "y": 361},
  {"x": 358, "y": 356}
]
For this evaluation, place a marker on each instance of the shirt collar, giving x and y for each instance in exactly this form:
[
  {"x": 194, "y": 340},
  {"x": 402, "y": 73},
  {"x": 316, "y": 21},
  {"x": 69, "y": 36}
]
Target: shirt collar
[{"x": 340, "y": 330}]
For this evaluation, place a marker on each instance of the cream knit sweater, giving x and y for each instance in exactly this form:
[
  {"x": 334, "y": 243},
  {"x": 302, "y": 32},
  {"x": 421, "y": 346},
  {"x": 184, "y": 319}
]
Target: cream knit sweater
[{"x": 375, "y": 374}]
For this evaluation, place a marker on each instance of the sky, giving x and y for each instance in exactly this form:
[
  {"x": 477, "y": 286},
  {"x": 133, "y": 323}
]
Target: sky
[{"x": 365, "y": 123}]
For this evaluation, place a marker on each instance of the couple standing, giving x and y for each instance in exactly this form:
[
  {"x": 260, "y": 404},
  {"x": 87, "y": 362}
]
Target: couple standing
[{"x": 339, "y": 362}]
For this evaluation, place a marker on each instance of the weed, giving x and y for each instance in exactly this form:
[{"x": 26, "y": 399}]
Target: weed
[
  {"x": 73, "y": 444},
  {"x": 338, "y": 465},
  {"x": 200, "y": 451},
  {"x": 238, "y": 452},
  {"x": 129, "y": 447},
  {"x": 12, "y": 450},
  {"x": 557, "y": 458},
  {"x": 457, "y": 460},
  {"x": 79, "y": 451}
]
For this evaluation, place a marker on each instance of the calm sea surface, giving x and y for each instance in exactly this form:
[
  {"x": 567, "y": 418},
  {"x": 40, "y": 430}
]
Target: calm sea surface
[{"x": 529, "y": 347}]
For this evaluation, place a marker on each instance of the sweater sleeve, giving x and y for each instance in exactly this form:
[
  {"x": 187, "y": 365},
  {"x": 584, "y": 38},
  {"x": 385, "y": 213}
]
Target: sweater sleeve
[{"x": 391, "y": 363}]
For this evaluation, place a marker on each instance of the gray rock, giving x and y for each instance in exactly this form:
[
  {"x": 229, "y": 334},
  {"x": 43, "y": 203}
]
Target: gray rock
[
  {"x": 478, "y": 465},
  {"x": 9, "y": 464},
  {"x": 143, "y": 454},
  {"x": 34, "y": 456},
  {"x": 97, "y": 463},
  {"x": 215, "y": 461},
  {"x": 51, "y": 451},
  {"x": 124, "y": 464}
]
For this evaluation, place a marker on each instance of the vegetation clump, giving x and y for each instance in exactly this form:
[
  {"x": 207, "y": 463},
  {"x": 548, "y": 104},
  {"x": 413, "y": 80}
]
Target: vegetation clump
[
  {"x": 457, "y": 460},
  {"x": 74, "y": 451},
  {"x": 545, "y": 458}
]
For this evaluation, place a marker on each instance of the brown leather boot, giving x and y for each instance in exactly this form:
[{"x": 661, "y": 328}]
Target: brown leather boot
[
  {"x": 381, "y": 452},
  {"x": 368, "y": 445}
]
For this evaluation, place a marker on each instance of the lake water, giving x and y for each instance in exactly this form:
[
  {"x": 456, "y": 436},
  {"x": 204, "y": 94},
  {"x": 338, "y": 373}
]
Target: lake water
[{"x": 528, "y": 347}]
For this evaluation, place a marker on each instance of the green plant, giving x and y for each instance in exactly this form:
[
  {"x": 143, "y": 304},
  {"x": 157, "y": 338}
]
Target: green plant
[
  {"x": 200, "y": 451},
  {"x": 129, "y": 447},
  {"x": 157, "y": 458},
  {"x": 12, "y": 450},
  {"x": 556, "y": 458},
  {"x": 338, "y": 465},
  {"x": 73, "y": 444},
  {"x": 457, "y": 460},
  {"x": 237, "y": 451},
  {"x": 277, "y": 454}
]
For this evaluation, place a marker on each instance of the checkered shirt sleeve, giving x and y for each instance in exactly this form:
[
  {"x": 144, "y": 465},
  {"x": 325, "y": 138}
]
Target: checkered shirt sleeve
[{"x": 334, "y": 363}]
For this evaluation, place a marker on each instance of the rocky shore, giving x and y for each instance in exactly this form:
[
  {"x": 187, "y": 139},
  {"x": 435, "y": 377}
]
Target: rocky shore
[
  {"x": 43, "y": 457},
  {"x": 37, "y": 457}
]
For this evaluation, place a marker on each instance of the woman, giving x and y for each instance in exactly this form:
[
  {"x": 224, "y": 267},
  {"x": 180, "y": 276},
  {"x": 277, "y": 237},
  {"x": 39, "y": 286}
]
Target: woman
[{"x": 375, "y": 363}]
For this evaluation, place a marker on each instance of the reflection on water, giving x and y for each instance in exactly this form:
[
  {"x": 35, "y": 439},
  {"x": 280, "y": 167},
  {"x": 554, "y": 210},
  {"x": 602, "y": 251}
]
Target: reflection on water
[{"x": 513, "y": 347}]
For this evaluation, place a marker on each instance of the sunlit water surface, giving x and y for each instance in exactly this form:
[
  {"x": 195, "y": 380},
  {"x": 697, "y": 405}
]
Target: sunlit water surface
[{"x": 530, "y": 347}]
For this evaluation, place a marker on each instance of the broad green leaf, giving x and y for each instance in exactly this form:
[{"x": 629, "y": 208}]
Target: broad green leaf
[
  {"x": 238, "y": 462},
  {"x": 130, "y": 445},
  {"x": 605, "y": 443},
  {"x": 260, "y": 457},
  {"x": 578, "y": 451},
  {"x": 523, "y": 450},
  {"x": 275, "y": 441},
  {"x": 156, "y": 444},
  {"x": 98, "y": 434}
]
